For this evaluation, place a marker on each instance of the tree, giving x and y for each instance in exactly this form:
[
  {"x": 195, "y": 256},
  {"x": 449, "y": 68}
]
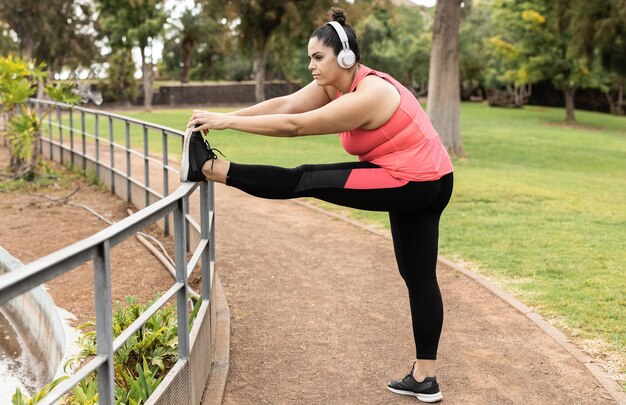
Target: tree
[
  {"x": 608, "y": 34},
  {"x": 508, "y": 48},
  {"x": 475, "y": 27},
  {"x": 24, "y": 18},
  {"x": 192, "y": 31},
  {"x": 394, "y": 40},
  {"x": 260, "y": 20},
  {"x": 132, "y": 24},
  {"x": 7, "y": 44},
  {"x": 194, "y": 43},
  {"x": 444, "y": 98},
  {"x": 120, "y": 84},
  {"x": 555, "y": 44},
  {"x": 57, "y": 32}
]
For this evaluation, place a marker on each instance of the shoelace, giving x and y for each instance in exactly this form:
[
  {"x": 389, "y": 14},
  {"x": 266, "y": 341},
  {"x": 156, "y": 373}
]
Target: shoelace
[{"x": 212, "y": 154}]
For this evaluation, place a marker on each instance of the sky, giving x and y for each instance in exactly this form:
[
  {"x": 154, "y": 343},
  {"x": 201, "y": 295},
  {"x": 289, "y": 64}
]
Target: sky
[{"x": 428, "y": 3}]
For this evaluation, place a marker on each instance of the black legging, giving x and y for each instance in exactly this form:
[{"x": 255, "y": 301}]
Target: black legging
[{"x": 414, "y": 212}]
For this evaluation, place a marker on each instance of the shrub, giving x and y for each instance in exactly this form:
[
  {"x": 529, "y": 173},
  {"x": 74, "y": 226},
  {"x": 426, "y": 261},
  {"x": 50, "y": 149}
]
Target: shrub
[{"x": 140, "y": 364}]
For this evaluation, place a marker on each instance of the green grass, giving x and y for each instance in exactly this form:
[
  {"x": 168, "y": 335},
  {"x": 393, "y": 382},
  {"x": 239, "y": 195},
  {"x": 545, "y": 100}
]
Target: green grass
[{"x": 538, "y": 207}]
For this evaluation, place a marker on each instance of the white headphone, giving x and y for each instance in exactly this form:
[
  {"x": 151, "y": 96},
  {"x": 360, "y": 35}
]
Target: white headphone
[{"x": 346, "y": 58}]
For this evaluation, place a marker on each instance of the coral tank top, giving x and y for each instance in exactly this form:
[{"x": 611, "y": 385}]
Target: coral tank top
[{"x": 407, "y": 145}]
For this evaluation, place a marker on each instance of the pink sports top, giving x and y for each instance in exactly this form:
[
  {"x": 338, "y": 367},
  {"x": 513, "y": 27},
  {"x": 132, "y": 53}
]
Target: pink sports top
[{"x": 407, "y": 145}]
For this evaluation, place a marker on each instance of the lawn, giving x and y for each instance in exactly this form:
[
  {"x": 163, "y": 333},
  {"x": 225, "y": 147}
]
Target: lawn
[{"x": 538, "y": 207}]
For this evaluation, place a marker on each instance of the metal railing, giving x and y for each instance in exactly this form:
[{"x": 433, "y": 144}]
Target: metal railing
[
  {"x": 111, "y": 141},
  {"x": 98, "y": 246}
]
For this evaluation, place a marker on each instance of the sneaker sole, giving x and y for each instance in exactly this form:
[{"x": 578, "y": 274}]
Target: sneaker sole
[
  {"x": 184, "y": 170},
  {"x": 436, "y": 397}
]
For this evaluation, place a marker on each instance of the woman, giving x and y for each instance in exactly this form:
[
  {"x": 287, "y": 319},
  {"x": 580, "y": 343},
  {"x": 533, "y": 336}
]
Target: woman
[{"x": 403, "y": 169}]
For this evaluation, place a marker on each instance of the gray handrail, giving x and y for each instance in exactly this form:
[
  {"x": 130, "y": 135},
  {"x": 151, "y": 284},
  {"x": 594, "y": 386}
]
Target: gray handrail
[
  {"x": 60, "y": 133},
  {"x": 97, "y": 247}
]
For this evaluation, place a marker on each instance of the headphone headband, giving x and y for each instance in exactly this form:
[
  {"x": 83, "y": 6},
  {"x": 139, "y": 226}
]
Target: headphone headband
[
  {"x": 346, "y": 58},
  {"x": 342, "y": 34}
]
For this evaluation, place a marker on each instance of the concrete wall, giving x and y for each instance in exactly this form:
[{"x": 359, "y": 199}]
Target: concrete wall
[
  {"x": 35, "y": 318},
  {"x": 236, "y": 93}
]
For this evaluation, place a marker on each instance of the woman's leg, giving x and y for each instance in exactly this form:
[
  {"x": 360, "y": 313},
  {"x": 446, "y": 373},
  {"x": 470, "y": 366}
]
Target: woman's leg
[
  {"x": 415, "y": 209},
  {"x": 416, "y": 241},
  {"x": 358, "y": 185}
]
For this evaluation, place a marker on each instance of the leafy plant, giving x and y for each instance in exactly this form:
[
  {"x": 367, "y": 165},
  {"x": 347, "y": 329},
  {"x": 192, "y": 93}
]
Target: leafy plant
[
  {"x": 21, "y": 399},
  {"x": 19, "y": 80},
  {"x": 140, "y": 364}
]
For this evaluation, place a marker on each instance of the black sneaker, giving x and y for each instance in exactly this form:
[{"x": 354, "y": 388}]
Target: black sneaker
[
  {"x": 196, "y": 151},
  {"x": 425, "y": 391}
]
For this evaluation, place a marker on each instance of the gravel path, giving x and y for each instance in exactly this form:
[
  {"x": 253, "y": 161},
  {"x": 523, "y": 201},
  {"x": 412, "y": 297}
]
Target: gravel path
[{"x": 320, "y": 316}]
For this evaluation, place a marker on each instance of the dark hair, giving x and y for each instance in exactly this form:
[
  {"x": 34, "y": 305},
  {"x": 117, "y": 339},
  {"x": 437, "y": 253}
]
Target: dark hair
[{"x": 330, "y": 38}]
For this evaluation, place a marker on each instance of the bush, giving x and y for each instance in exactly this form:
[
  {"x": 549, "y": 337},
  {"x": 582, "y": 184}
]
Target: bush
[{"x": 140, "y": 364}]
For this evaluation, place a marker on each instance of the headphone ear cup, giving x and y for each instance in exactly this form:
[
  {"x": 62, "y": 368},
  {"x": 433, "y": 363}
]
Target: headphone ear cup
[
  {"x": 346, "y": 59},
  {"x": 349, "y": 59}
]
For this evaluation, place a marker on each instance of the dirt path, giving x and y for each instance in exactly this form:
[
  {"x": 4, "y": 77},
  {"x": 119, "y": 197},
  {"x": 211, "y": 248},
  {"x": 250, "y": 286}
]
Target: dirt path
[
  {"x": 320, "y": 316},
  {"x": 319, "y": 312},
  {"x": 32, "y": 226}
]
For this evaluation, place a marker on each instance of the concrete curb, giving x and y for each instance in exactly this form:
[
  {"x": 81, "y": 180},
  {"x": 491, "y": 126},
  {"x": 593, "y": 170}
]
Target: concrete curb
[
  {"x": 214, "y": 390},
  {"x": 598, "y": 372}
]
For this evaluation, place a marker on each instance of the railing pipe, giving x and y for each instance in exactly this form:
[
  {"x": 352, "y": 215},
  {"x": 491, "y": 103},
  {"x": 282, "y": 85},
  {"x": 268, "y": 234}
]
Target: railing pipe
[
  {"x": 97, "y": 136},
  {"x": 104, "y": 328},
  {"x": 181, "y": 277},
  {"x": 128, "y": 175},
  {"x": 71, "y": 136},
  {"x": 112, "y": 154},
  {"x": 83, "y": 139},
  {"x": 146, "y": 165},
  {"x": 205, "y": 234},
  {"x": 166, "y": 180}
]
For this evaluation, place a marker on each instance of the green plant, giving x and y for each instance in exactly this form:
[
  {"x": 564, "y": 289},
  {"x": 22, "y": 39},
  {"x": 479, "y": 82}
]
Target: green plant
[
  {"x": 21, "y": 399},
  {"x": 19, "y": 80},
  {"x": 140, "y": 364}
]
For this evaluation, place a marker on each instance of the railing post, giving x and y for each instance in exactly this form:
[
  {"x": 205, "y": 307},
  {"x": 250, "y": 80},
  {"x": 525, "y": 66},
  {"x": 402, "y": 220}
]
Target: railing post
[
  {"x": 128, "y": 182},
  {"x": 37, "y": 108},
  {"x": 112, "y": 153},
  {"x": 146, "y": 167},
  {"x": 186, "y": 211},
  {"x": 212, "y": 230},
  {"x": 60, "y": 124},
  {"x": 72, "y": 136},
  {"x": 50, "y": 134},
  {"x": 104, "y": 327},
  {"x": 84, "y": 139},
  {"x": 166, "y": 182},
  {"x": 205, "y": 233},
  {"x": 97, "y": 134},
  {"x": 181, "y": 277}
]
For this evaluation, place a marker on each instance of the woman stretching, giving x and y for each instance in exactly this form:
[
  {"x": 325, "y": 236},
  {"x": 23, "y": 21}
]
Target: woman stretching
[{"x": 403, "y": 169}]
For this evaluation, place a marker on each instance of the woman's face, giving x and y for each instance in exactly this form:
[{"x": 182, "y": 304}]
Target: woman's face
[{"x": 323, "y": 63}]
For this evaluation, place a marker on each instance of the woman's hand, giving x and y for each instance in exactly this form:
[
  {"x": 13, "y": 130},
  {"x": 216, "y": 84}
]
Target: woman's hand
[{"x": 205, "y": 120}]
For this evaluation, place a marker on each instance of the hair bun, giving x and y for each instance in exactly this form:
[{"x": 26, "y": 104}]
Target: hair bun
[{"x": 337, "y": 14}]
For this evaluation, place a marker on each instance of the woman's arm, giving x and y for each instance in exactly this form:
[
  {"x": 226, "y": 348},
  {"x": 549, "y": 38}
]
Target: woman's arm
[
  {"x": 371, "y": 104},
  {"x": 307, "y": 98}
]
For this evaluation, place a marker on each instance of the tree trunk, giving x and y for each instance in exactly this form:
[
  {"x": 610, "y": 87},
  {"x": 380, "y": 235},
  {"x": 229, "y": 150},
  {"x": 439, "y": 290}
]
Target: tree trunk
[
  {"x": 187, "y": 53},
  {"x": 569, "y": 93},
  {"x": 260, "y": 59},
  {"x": 146, "y": 76},
  {"x": 27, "y": 47},
  {"x": 444, "y": 98},
  {"x": 620, "y": 98}
]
